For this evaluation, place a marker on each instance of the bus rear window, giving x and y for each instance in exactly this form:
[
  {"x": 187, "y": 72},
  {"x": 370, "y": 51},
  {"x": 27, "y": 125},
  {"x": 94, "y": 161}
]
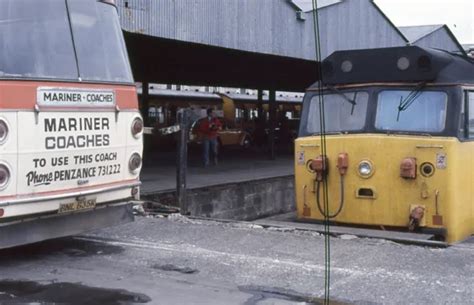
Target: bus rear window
[
  {"x": 100, "y": 48},
  {"x": 35, "y": 40},
  {"x": 64, "y": 40},
  {"x": 426, "y": 112}
]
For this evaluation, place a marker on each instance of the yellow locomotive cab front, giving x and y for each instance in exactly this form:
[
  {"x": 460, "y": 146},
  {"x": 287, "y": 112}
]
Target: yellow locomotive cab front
[
  {"x": 441, "y": 186},
  {"x": 393, "y": 148}
]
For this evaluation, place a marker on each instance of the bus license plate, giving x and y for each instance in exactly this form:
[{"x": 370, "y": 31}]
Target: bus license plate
[{"x": 77, "y": 206}]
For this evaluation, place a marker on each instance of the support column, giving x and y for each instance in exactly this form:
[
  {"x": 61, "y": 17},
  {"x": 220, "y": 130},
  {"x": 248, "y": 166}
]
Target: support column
[
  {"x": 272, "y": 123},
  {"x": 182, "y": 161},
  {"x": 260, "y": 105},
  {"x": 144, "y": 107},
  {"x": 145, "y": 102}
]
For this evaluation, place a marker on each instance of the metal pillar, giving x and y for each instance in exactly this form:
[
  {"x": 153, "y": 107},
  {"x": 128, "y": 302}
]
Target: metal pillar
[
  {"x": 182, "y": 160},
  {"x": 145, "y": 102},
  {"x": 272, "y": 123},
  {"x": 260, "y": 105}
]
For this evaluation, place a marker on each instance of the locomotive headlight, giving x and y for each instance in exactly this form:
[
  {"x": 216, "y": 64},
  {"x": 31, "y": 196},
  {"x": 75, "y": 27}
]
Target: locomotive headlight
[
  {"x": 137, "y": 127},
  {"x": 135, "y": 163},
  {"x": 365, "y": 169},
  {"x": 3, "y": 131},
  {"x": 4, "y": 176}
]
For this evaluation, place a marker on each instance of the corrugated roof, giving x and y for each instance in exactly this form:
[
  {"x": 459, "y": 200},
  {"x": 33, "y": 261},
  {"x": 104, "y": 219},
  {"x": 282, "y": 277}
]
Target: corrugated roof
[
  {"x": 307, "y": 5},
  {"x": 415, "y": 33},
  {"x": 422, "y": 32}
]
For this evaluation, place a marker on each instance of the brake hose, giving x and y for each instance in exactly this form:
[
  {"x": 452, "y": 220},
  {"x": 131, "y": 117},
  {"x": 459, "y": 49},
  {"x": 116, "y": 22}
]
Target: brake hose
[{"x": 341, "y": 203}]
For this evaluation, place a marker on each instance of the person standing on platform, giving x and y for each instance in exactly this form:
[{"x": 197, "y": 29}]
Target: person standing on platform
[{"x": 208, "y": 129}]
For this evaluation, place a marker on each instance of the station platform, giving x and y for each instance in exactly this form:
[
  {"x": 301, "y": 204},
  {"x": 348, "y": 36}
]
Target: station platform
[{"x": 159, "y": 171}]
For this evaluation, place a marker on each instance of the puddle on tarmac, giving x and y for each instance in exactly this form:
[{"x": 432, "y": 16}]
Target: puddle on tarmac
[
  {"x": 27, "y": 292},
  {"x": 169, "y": 267},
  {"x": 265, "y": 295},
  {"x": 70, "y": 246}
]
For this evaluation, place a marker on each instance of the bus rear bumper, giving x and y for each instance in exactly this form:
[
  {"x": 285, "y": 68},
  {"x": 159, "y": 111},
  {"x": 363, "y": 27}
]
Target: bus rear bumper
[{"x": 41, "y": 228}]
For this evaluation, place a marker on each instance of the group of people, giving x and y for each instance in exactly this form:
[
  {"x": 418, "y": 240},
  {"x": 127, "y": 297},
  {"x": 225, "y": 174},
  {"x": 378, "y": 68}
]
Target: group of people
[{"x": 211, "y": 125}]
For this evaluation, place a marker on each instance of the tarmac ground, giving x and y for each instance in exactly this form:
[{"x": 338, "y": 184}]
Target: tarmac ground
[{"x": 177, "y": 260}]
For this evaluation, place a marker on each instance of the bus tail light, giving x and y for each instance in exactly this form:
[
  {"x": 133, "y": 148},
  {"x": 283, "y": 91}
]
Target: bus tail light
[
  {"x": 2, "y": 212},
  {"x": 3, "y": 131},
  {"x": 135, "y": 163},
  {"x": 137, "y": 127},
  {"x": 408, "y": 168},
  {"x": 4, "y": 176}
]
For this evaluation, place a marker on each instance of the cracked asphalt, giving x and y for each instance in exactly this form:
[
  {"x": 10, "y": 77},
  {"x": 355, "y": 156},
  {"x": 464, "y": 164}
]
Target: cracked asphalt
[{"x": 177, "y": 260}]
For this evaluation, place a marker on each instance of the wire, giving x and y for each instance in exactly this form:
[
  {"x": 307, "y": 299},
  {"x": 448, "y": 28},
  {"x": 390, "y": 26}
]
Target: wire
[
  {"x": 322, "y": 121},
  {"x": 325, "y": 213}
]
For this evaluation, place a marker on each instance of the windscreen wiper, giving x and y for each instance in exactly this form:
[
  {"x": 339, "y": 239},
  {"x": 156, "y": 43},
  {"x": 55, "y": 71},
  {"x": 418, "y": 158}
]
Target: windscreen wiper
[
  {"x": 410, "y": 99},
  {"x": 351, "y": 101}
]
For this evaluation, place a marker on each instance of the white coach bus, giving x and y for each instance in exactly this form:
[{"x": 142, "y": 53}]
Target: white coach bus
[{"x": 70, "y": 129}]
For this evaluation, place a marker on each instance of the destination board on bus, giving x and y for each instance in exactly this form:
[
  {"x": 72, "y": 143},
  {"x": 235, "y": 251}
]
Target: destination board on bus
[{"x": 74, "y": 97}]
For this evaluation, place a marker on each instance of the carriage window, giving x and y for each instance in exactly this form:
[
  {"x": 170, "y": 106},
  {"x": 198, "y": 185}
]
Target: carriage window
[
  {"x": 470, "y": 127},
  {"x": 340, "y": 114},
  {"x": 425, "y": 112}
]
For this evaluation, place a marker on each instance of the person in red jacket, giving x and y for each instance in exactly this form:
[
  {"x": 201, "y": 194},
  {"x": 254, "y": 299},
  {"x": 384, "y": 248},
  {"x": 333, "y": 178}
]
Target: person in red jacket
[{"x": 208, "y": 129}]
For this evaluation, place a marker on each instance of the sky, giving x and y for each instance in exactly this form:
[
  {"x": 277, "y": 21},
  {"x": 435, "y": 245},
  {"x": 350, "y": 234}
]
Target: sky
[{"x": 457, "y": 14}]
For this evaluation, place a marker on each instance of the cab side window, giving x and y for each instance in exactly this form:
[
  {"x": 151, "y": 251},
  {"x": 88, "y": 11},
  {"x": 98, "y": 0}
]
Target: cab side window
[{"x": 470, "y": 118}]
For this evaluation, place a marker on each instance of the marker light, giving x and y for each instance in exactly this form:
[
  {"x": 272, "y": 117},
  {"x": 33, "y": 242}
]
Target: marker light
[
  {"x": 4, "y": 176},
  {"x": 403, "y": 63},
  {"x": 135, "y": 163},
  {"x": 137, "y": 127},
  {"x": 3, "y": 131},
  {"x": 424, "y": 63},
  {"x": 346, "y": 66},
  {"x": 365, "y": 169}
]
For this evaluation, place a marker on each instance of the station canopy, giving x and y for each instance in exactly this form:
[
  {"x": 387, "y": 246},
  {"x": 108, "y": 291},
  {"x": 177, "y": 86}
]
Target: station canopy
[{"x": 248, "y": 44}]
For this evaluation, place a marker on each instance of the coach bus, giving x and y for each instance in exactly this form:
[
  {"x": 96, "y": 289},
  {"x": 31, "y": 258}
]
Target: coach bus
[
  {"x": 399, "y": 143},
  {"x": 70, "y": 129}
]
